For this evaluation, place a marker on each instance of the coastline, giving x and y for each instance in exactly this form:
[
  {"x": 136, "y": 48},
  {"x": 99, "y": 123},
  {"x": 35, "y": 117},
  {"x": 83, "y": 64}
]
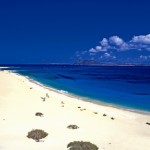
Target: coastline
[
  {"x": 81, "y": 98},
  {"x": 106, "y": 100},
  {"x": 21, "y": 98}
]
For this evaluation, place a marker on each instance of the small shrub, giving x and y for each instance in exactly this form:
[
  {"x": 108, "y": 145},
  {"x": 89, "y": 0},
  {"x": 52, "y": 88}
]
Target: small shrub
[
  {"x": 37, "y": 134},
  {"x": 80, "y": 145},
  {"x": 147, "y": 123},
  {"x": 72, "y": 127},
  {"x": 95, "y": 113},
  {"x": 112, "y": 118},
  {"x": 39, "y": 114}
]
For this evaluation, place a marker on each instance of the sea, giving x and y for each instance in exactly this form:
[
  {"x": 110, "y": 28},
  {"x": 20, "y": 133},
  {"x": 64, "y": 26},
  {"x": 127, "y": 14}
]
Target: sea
[{"x": 127, "y": 87}]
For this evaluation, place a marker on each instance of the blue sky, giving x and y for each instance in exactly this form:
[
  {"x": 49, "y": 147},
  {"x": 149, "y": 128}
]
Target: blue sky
[{"x": 62, "y": 31}]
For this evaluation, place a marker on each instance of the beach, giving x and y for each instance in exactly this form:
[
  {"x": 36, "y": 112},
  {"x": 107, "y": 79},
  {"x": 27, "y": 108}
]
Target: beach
[{"x": 107, "y": 127}]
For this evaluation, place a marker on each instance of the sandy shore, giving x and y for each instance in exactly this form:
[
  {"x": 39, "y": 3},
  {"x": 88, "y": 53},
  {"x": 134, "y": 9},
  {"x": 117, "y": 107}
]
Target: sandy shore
[{"x": 20, "y": 99}]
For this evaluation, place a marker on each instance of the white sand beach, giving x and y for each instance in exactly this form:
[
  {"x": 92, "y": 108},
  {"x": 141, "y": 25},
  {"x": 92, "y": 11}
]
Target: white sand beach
[{"x": 20, "y": 99}]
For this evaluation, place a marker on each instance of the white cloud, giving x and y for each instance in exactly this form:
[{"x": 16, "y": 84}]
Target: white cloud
[
  {"x": 116, "y": 40},
  {"x": 104, "y": 42},
  {"x": 111, "y": 48},
  {"x": 97, "y": 49},
  {"x": 107, "y": 54},
  {"x": 92, "y": 50},
  {"x": 124, "y": 46},
  {"x": 141, "y": 42},
  {"x": 141, "y": 39},
  {"x": 100, "y": 48}
]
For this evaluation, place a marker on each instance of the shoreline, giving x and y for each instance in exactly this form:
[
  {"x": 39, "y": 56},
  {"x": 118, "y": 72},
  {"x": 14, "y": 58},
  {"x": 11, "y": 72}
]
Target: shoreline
[
  {"x": 108, "y": 127},
  {"x": 80, "y": 98}
]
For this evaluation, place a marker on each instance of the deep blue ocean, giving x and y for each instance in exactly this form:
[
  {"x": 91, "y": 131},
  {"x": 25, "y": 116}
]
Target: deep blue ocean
[{"x": 125, "y": 86}]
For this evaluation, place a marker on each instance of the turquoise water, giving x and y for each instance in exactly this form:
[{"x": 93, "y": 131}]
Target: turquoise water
[{"x": 126, "y": 86}]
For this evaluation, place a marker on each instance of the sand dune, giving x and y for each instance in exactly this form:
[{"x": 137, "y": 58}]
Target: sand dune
[{"x": 20, "y": 99}]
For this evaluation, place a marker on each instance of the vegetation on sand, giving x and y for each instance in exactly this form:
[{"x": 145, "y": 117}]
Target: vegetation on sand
[
  {"x": 37, "y": 134},
  {"x": 80, "y": 145},
  {"x": 39, "y": 114},
  {"x": 112, "y": 118},
  {"x": 72, "y": 127}
]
